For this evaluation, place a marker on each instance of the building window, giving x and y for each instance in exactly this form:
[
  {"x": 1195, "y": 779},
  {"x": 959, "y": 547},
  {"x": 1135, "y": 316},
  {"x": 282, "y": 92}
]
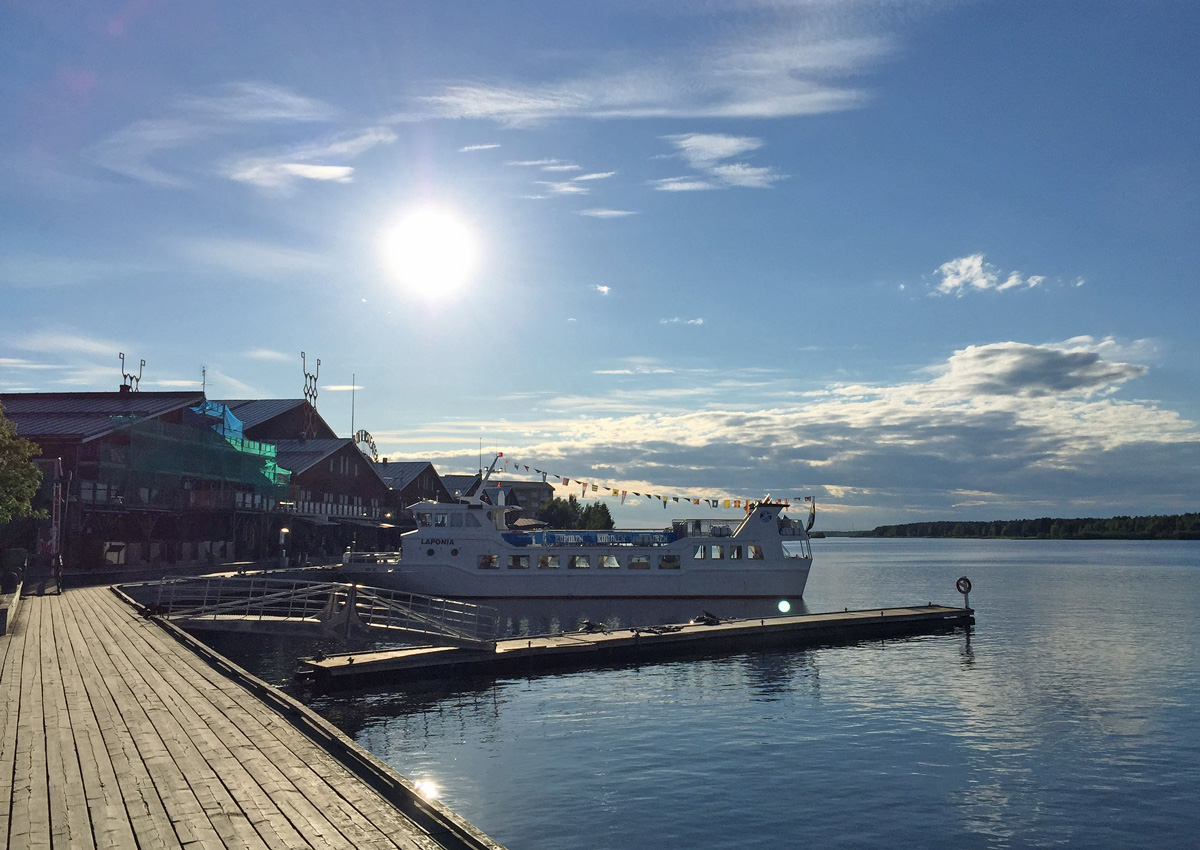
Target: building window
[
  {"x": 700, "y": 552},
  {"x": 754, "y": 552},
  {"x": 716, "y": 552},
  {"x": 735, "y": 553}
]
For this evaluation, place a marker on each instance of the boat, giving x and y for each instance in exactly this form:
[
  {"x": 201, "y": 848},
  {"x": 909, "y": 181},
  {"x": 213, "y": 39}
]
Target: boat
[{"x": 466, "y": 550}]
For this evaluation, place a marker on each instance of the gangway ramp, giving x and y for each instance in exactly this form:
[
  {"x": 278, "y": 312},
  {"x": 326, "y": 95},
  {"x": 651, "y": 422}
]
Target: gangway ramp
[{"x": 320, "y": 608}]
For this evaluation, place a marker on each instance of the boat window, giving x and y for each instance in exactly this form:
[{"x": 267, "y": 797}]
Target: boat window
[
  {"x": 518, "y": 562},
  {"x": 735, "y": 553},
  {"x": 471, "y": 521},
  {"x": 639, "y": 562},
  {"x": 578, "y": 562},
  {"x": 754, "y": 552},
  {"x": 425, "y": 520},
  {"x": 439, "y": 520},
  {"x": 456, "y": 520},
  {"x": 701, "y": 552},
  {"x": 548, "y": 562},
  {"x": 668, "y": 562},
  {"x": 489, "y": 562},
  {"x": 609, "y": 562},
  {"x": 717, "y": 552}
]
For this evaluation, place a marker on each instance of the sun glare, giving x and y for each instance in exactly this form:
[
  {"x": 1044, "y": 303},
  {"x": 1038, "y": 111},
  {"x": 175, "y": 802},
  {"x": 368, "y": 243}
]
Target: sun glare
[{"x": 431, "y": 252}]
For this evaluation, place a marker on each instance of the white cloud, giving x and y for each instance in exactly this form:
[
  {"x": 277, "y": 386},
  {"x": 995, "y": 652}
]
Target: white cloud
[
  {"x": 565, "y": 166},
  {"x": 565, "y": 188},
  {"x": 678, "y": 321},
  {"x": 740, "y": 174},
  {"x": 607, "y": 213},
  {"x": 128, "y": 150},
  {"x": 310, "y": 161},
  {"x": 703, "y": 150},
  {"x": 473, "y": 148},
  {"x": 268, "y": 354},
  {"x": 598, "y": 175},
  {"x": 603, "y": 290},
  {"x": 682, "y": 184},
  {"x": 974, "y": 274}
]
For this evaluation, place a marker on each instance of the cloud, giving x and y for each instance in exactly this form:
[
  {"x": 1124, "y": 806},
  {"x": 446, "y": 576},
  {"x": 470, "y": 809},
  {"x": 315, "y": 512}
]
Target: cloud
[
  {"x": 607, "y": 213},
  {"x": 769, "y": 61},
  {"x": 473, "y": 148},
  {"x": 128, "y": 150},
  {"x": 598, "y": 175},
  {"x": 679, "y": 321},
  {"x": 682, "y": 184},
  {"x": 996, "y": 430},
  {"x": 563, "y": 167},
  {"x": 974, "y": 274},
  {"x": 706, "y": 152},
  {"x": 565, "y": 188},
  {"x": 603, "y": 290},
  {"x": 252, "y": 102},
  {"x": 268, "y": 354},
  {"x": 280, "y": 170}
]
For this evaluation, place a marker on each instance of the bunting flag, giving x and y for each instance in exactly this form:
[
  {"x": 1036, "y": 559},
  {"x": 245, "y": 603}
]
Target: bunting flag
[{"x": 616, "y": 492}]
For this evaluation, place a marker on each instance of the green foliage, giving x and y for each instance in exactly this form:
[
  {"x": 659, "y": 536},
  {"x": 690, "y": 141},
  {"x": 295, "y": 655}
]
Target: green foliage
[
  {"x": 19, "y": 477},
  {"x": 568, "y": 513},
  {"x": 1178, "y": 527}
]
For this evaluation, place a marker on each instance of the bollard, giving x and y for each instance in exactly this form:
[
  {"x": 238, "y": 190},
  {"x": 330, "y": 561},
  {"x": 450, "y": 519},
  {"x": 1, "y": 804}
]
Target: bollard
[{"x": 964, "y": 587}]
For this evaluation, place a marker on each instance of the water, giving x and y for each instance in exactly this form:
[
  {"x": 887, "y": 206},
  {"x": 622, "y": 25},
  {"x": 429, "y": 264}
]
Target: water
[{"x": 1070, "y": 717}]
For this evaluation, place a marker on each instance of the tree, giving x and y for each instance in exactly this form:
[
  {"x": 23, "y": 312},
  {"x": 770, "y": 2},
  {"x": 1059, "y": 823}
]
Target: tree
[
  {"x": 19, "y": 477},
  {"x": 568, "y": 513}
]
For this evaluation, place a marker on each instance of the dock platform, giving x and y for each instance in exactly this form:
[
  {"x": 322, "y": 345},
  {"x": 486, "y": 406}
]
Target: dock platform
[
  {"x": 546, "y": 653},
  {"x": 118, "y": 731}
]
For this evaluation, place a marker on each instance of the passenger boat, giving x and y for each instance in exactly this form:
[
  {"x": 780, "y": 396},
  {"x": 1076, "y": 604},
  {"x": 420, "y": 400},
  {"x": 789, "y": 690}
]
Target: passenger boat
[{"x": 465, "y": 550}]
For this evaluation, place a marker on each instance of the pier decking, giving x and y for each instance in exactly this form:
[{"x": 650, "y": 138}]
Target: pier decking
[
  {"x": 526, "y": 655},
  {"x": 116, "y": 733}
]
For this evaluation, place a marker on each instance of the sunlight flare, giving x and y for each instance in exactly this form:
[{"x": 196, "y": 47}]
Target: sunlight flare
[{"x": 431, "y": 252}]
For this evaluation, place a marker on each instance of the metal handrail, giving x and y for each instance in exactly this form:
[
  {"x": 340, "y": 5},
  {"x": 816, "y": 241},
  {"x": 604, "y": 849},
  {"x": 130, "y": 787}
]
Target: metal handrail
[{"x": 343, "y": 607}]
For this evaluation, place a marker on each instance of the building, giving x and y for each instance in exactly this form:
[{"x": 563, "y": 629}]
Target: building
[{"x": 147, "y": 478}]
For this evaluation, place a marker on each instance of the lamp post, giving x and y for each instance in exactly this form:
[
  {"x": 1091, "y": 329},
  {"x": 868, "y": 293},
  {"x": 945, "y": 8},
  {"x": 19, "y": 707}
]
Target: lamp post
[{"x": 283, "y": 533}]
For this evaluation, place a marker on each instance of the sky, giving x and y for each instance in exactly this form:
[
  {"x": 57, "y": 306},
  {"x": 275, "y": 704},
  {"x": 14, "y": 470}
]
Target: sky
[{"x": 916, "y": 260}]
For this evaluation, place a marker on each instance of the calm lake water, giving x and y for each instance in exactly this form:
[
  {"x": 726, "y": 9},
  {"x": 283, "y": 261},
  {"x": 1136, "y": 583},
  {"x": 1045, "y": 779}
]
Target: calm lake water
[{"x": 1070, "y": 717}]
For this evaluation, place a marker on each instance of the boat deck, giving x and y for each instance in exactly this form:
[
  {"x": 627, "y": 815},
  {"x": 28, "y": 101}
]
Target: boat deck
[{"x": 116, "y": 732}]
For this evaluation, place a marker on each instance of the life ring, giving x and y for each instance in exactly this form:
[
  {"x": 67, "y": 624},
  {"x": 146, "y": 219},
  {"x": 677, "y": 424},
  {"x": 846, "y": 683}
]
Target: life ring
[{"x": 963, "y": 585}]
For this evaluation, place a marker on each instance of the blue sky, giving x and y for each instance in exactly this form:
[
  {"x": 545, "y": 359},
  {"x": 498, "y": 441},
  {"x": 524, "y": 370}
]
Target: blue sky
[{"x": 920, "y": 260}]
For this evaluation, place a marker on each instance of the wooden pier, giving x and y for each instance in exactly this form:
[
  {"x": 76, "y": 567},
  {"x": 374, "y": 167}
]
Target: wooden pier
[
  {"x": 547, "y": 653},
  {"x": 118, "y": 731}
]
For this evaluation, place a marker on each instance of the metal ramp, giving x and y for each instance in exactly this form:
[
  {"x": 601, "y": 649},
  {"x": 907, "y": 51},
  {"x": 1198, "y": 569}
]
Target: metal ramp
[{"x": 331, "y": 609}]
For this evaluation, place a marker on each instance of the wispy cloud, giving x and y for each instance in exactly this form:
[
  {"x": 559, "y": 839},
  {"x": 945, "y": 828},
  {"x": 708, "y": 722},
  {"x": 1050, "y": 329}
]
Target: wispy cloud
[
  {"x": 474, "y": 148},
  {"x": 974, "y": 274},
  {"x": 565, "y": 166},
  {"x": 569, "y": 188},
  {"x": 279, "y": 170},
  {"x": 603, "y": 290},
  {"x": 678, "y": 321},
  {"x": 607, "y": 213},
  {"x": 268, "y": 354},
  {"x": 598, "y": 175},
  {"x": 129, "y": 150},
  {"x": 707, "y": 153},
  {"x": 253, "y": 102}
]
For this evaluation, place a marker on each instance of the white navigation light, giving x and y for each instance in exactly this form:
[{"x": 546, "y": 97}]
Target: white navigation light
[{"x": 784, "y": 606}]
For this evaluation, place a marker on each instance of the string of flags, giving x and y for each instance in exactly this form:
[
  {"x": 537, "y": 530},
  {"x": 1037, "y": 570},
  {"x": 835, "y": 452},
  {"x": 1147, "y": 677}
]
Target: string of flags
[{"x": 598, "y": 490}]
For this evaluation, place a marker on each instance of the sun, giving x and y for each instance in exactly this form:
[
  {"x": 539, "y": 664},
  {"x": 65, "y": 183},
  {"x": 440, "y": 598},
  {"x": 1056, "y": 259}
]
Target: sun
[{"x": 431, "y": 252}]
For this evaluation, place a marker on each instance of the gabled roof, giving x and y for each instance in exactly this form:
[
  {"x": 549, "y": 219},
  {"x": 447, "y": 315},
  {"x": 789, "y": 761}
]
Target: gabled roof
[
  {"x": 461, "y": 483},
  {"x": 298, "y": 456},
  {"x": 87, "y": 416},
  {"x": 255, "y": 411},
  {"x": 400, "y": 475}
]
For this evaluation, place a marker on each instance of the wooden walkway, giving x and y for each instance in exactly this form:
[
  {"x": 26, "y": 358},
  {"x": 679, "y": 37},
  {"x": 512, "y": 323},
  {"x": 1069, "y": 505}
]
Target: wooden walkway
[{"x": 115, "y": 734}]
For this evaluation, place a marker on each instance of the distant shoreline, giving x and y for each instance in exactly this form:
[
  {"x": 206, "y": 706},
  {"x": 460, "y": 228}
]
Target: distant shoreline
[{"x": 1172, "y": 527}]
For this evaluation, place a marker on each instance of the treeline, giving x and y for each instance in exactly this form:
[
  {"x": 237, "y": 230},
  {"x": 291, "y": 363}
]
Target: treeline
[{"x": 1180, "y": 527}]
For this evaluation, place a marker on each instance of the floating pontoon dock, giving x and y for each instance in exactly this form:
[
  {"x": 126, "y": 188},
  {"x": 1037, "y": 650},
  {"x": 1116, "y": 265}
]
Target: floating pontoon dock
[{"x": 585, "y": 649}]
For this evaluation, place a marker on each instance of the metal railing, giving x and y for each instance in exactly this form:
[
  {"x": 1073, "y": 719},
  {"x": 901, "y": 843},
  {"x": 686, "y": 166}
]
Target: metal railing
[{"x": 338, "y": 609}]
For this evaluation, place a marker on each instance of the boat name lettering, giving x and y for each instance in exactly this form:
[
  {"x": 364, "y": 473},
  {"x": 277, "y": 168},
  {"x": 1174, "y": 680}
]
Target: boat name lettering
[{"x": 437, "y": 541}]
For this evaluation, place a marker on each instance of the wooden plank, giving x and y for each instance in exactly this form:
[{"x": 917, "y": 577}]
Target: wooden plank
[
  {"x": 70, "y": 822},
  {"x": 10, "y": 707},
  {"x": 145, "y": 810},
  {"x": 111, "y": 822},
  {"x": 30, "y": 821}
]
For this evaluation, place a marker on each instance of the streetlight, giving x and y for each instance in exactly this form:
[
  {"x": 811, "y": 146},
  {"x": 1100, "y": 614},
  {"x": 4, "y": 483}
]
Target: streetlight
[{"x": 283, "y": 533}]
